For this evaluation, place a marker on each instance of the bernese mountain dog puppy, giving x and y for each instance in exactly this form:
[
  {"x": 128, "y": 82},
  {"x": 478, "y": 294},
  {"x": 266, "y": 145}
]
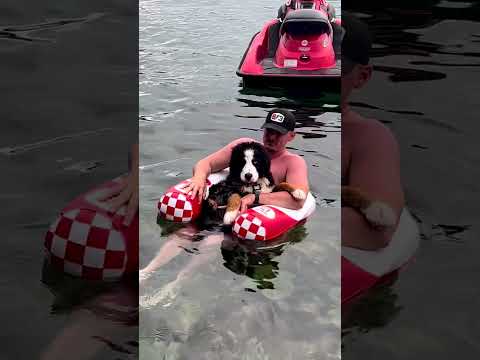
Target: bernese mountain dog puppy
[{"x": 249, "y": 173}]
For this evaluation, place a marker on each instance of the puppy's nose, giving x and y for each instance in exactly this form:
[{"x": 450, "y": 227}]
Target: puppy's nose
[{"x": 248, "y": 176}]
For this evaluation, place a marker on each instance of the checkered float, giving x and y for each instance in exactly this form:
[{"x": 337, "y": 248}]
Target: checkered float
[
  {"x": 263, "y": 223},
  {"x": 268, "y": 222},
  {"x": 89, "y": 242},
  {"x": 174, "y": 206},
  {"x": 249, "y": 227},
  {"x": 260, "y": 223},
  {"x": 177, "y": 206}
]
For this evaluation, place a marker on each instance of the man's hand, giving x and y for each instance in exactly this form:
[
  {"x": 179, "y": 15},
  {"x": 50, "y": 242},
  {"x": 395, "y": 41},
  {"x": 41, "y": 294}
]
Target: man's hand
[
  {"x": 246, "y": 202},
  {"x": 124, "y": 194},
  {"x": 195, "y": 187}
]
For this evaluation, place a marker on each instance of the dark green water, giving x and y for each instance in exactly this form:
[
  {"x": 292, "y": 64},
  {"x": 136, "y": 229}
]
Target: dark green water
[
  {"x": 284, "y": 304},
  {"x": 425, "y": 88},
  {"x": 68, "y": 120}
]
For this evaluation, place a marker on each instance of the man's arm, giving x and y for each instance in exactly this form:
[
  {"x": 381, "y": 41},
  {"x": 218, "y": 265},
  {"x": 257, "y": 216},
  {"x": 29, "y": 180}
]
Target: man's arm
[
  {"x": 375, "y": 169},
  {"x": 297, "y": 176}
]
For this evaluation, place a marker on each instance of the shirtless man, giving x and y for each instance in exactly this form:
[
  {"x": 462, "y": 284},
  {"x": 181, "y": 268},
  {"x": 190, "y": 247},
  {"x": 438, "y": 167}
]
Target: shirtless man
[
  {"x": 370, "y": 154},
  {"x": 285, "y": 166}
]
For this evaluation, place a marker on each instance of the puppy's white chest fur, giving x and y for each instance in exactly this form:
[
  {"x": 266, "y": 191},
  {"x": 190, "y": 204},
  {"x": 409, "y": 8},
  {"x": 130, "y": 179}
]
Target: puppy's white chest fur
[{"x": 265, "y": 186}]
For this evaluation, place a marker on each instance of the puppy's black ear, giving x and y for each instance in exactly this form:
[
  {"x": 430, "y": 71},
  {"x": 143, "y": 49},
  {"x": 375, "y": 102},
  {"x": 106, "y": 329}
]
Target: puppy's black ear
[
  {"x": 264, "y": 159},
  {"x": 270, "y": 178},
  {"x": 236, "y": 162}
]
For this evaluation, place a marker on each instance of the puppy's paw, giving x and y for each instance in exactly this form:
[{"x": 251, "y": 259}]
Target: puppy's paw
[
  {"x": 380, "y": 215},
  {"x": 206, "y": 193},
  {"x": 230, "y": 217},
  {"x": 299, "y": 194}
]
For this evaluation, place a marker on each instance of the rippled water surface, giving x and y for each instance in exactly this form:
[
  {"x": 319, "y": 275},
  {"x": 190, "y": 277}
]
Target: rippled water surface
[
  {"x": 425, "y": 88},
  {"x": 280, "y": 304},
  {"x": 68, "y": 120}
]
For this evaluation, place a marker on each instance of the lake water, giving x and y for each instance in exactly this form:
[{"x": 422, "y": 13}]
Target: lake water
[
  {"x": 425, "y": 88},
  {"x": 68, "y": 118}
]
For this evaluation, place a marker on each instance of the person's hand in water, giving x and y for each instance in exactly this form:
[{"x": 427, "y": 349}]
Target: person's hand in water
[
  {"x": 196, "y": 187},
  {"x": 126, "y": 193}
]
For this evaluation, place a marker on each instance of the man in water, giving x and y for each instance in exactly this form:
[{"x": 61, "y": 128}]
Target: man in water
[
  {"x": 279, "y": 130},
  {"x": 370, "y": 153}
]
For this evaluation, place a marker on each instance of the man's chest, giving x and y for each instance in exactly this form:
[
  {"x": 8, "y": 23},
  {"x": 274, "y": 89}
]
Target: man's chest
[{"x": 279, "y": 170}]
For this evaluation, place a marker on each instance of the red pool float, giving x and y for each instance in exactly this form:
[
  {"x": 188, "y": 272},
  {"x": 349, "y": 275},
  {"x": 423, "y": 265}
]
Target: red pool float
[
  {"x": 89, "y": 242},
  {"x": 261, "y": 223},
  {"x": 365, "y": 270}
]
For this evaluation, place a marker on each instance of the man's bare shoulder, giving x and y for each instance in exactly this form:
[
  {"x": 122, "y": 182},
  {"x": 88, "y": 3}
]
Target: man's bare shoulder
[
  {"x": 374, "y": 125},
  {"x": 296, "y": 170},
  {"x": 293, "y": 160},
  {"x": 370, "y": 133}
]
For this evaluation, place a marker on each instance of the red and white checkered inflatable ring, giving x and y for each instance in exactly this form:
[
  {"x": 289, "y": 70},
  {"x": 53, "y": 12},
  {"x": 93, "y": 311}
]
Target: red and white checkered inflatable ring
[
  {"x": 174, "y": 206},
  {"x": 260, "y": 223},
  {"x": 89, "y": 242},
  {"x": 268, "y": 222},
  {"x": 249, "y": 227},
  {"x": 177, "y": 206}
]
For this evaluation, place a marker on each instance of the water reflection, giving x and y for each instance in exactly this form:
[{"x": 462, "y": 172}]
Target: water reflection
[
  {"x": 23, "y": 32},
  {"x": 256, "y": 260},
  {"x": 424, "y": 58},
  {"x": 310, "y": 109},
  {"x": 99, "y": 314},
  {"x": 375, "y": 310}
]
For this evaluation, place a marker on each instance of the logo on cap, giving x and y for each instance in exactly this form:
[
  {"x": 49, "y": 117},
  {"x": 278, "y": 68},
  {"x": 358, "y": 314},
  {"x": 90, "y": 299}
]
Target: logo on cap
[
  {"x": 304, "y": 42},
  {"x": 277, "y": 117}
]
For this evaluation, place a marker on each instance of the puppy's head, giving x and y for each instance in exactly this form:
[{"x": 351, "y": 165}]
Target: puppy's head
[{"x": 249, "y": 162}]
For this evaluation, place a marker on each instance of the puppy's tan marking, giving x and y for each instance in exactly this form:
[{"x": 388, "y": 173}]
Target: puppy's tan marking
[
  {"x": 298, "y": 194},
  {"x": 233, "y": 206},
  {"x": 234, "y": 202},
  {"x": 355, "y": 198},
  {"x": 377, "y": 213}
]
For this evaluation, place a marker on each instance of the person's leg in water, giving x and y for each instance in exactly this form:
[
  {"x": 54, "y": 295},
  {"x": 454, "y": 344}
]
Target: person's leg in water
[
  {"x": 206, "y": 251},
  {"x": 175, "y": 244}
]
